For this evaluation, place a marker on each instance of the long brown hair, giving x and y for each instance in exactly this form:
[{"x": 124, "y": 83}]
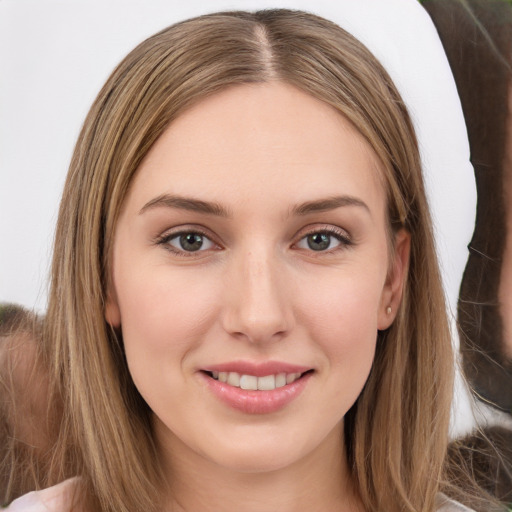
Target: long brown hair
[{"x": 396, "y": 433}]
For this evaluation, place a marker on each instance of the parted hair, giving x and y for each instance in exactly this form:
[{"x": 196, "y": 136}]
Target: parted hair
[{"x": 396, "y": 432}]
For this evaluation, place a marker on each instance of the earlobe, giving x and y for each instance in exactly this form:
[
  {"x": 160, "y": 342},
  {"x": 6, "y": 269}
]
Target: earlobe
[
  {"x": 397, "y": 275},
  {"x": 112, "y": 312}
]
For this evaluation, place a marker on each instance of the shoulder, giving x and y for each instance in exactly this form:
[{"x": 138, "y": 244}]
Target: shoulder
[
  {"x": 58, "y": 498},
  {"x": 445, "y": 504}
]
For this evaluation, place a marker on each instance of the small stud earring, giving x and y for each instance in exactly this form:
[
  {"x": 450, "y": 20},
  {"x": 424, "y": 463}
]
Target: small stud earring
[{"x": 388, "y": 310}]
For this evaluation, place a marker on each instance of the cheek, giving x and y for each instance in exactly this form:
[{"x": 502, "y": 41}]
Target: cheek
[
  {"x": 341, "y": 314},
  {"x": 164, "y": 315},
  {"x": 344, "y": 305}
]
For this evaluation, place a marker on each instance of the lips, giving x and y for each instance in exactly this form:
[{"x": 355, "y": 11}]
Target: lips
[{"x": 256, "y": 388}]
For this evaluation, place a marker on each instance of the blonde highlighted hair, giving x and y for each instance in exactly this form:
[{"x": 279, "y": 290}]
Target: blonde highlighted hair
[{"x": 396, "y": 433}]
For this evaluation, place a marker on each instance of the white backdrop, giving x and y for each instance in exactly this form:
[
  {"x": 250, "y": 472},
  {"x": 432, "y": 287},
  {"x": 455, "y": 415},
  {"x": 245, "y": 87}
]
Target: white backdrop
[{"x": 56, "y": 54}]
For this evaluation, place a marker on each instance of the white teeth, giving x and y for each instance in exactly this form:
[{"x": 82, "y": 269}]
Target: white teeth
[
  {"x": 280, "y": 380},
  {"x": 248, "y": 382},
  {"x": 251, "y": 382},
  {"x": 233, "y": 379},
  {"x": 291, "y": 377},
  {"x": 267, "y": 383}
]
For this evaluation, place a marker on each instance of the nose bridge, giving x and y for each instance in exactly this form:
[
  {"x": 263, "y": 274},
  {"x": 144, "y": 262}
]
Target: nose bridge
[{"x": 258, "y": 308}]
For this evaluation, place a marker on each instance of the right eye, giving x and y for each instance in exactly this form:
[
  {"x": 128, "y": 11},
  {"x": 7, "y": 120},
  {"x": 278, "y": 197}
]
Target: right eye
[{"x": 186, "y": 242}]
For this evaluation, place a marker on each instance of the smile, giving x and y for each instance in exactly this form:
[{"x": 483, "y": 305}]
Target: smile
[
  {"x": 252, "y": 382},
  {"x": 256, "y": 388}
]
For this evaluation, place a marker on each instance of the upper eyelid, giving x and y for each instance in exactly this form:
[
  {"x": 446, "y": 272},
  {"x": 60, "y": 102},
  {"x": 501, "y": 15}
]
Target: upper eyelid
[
  {"x": 180, "y": 230},
  {"x": 325, "y": 228}
]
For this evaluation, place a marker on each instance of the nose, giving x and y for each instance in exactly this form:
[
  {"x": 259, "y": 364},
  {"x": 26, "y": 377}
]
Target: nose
[{"x": 258, "y": 301}]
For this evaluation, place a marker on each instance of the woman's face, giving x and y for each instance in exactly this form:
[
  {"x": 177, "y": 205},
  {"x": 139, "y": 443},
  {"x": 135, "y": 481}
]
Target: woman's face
[{"x": 252, "y": 247}]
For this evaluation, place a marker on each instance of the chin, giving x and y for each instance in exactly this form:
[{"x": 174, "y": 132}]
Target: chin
[
  {"x": 263, "y": 451},
  {"x": 255, "y": 461}
]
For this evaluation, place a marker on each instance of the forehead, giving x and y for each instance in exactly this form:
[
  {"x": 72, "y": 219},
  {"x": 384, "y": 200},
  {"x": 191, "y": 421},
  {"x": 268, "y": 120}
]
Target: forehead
[{"x": 255, "y": 142}]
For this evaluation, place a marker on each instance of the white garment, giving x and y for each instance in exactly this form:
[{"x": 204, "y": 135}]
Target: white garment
[{"x": 58, "y": 498}]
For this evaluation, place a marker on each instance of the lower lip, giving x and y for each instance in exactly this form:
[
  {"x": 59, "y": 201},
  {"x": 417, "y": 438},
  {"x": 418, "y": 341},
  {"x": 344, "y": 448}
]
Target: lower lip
[{"x": 256, "y": 402}]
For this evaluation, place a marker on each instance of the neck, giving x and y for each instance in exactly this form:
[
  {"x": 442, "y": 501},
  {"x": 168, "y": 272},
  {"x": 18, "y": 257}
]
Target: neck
[{"x": 319, "y": 482}]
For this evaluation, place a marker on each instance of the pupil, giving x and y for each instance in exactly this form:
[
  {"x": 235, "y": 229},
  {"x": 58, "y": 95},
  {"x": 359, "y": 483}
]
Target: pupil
[
  {"x": 191, "y": 242},
  {"x": 318, "y": 241}
]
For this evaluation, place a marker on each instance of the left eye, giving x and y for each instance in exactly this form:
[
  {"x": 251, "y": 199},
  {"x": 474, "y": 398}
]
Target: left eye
[
  {"x": 322, "y": 241},
  {"x": 190, "y": 242}
]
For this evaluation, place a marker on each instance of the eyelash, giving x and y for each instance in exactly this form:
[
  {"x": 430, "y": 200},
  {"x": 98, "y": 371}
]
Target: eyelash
[
  {"x": 340, "y": 235},
  {"x": 167, "y": 237},
  {"x": 337, "y": 233}
]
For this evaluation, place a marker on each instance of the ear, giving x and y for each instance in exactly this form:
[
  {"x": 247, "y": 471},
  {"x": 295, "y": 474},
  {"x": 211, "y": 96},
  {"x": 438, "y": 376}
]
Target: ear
[
  {"x": 112, "y": 312},
  {"x": 395, "y": 281}
]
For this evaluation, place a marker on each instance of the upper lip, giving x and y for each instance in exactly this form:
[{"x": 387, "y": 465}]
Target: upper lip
[{"x": 258, "y": 369}]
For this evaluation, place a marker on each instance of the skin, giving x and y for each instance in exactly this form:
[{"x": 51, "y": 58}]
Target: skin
[{"x": 255, "y": 292}]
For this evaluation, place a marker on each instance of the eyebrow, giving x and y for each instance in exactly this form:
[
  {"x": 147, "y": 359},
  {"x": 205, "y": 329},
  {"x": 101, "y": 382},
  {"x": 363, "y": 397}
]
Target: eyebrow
[
  {"x": 213, "y": 208},
  {"x": 331, "y": 203},
  {"x": 186, "y": 203}
]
